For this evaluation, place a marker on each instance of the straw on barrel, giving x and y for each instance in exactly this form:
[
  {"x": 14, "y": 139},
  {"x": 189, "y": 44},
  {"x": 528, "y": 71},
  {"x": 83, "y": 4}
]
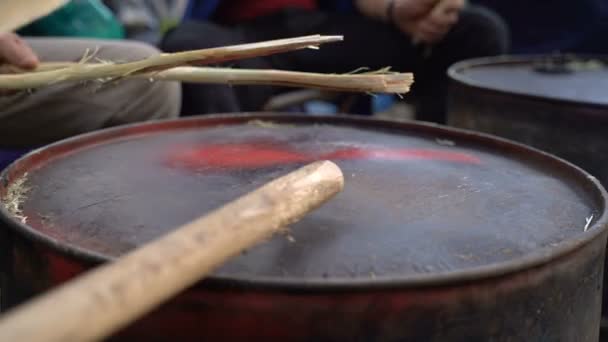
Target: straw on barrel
[{"x": 106, "y": 299}]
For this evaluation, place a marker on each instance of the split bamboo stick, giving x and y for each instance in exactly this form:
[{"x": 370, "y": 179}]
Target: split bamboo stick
[
  {"x": 95, "y": 71},
  {"x": 380, "y": 82}
]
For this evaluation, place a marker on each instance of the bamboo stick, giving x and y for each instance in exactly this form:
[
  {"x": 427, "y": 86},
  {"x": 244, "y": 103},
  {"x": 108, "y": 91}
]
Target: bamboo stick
[
  {"x": 106, "y": 299},
  {"x": 92, "y": 71},
  {"x": 381, "y": 82},
  {"x": 373, "y": 83}
]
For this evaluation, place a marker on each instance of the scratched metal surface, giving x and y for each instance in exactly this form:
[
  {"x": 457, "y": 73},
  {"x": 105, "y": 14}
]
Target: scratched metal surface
[{"x": 412, "y": 204}]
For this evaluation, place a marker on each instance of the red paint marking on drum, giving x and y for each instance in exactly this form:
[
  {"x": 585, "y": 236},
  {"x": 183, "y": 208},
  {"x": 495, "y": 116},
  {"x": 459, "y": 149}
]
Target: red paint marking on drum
[
  {"x": 401, "y": 154},
  {"x": 251, "y": 156},
  {"x": 237, "y": 156}
]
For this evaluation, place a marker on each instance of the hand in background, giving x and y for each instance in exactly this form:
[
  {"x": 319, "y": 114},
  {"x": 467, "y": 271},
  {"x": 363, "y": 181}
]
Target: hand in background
[
  {"x": 16, "y": 52},
  {"x": 438, "y": 23},
  {"x": 427, "y": 21}
]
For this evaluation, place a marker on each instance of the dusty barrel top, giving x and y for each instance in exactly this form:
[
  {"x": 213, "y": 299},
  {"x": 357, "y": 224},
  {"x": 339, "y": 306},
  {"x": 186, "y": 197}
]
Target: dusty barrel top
[
  {"x": 418, "y": 201},
  {"x": 567, "y": 78}
]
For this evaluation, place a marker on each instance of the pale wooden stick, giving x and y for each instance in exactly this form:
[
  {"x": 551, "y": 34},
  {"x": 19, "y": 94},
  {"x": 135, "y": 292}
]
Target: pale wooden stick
[
  {"x": 373, "y": 83},
  {"x": 90, "y": 71},
  {"x": 15, "y": 14},
  {"x": 396, "y": 83},
  {"x": 108, "y": 298}
]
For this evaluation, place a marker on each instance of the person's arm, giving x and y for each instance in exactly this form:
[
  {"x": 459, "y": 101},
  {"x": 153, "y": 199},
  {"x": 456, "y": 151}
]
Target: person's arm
[
  {"x": 16, "y": 52},
  {"x": 403, "y": 14},
  {"x": 434, "y": 26},
  {"x": 398, "y": 9},
  {"x": 416, "y": 18},
  {"x": 377, "y": 9}
]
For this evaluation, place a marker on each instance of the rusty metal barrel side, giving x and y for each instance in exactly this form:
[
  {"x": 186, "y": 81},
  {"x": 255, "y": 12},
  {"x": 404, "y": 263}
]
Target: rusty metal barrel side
[
  {"x": 557, "y": 301},
  {"x": 573, "y": 130},
  {"x": 552, "y": 295}
]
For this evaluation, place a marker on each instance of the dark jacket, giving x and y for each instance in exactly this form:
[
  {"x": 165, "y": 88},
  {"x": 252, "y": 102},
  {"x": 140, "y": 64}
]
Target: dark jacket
[
  {"x": 204, "y": 9},
  {"x": 544, "y": 26}
]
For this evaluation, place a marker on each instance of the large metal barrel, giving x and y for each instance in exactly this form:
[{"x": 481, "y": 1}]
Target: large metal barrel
[
  {"x": 439, "y": 235},
  {"x": 557, "y": 103}
]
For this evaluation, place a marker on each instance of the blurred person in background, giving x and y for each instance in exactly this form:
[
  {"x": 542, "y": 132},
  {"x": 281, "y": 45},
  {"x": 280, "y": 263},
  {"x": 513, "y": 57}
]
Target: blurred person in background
[
  {"x": 406, "y": 35},
  {"x": 40, "y": 116}
]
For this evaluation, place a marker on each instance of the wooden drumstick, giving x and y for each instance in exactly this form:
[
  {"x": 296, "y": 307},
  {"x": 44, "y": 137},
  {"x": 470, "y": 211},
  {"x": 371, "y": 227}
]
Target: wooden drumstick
[{"x": 111, "y": 296}]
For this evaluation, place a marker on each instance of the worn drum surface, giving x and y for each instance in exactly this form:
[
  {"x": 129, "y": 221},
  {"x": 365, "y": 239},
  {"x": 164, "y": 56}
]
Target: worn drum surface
[
  {"x": 439, "y": 235},
  {"x": 558, "y": 104}
]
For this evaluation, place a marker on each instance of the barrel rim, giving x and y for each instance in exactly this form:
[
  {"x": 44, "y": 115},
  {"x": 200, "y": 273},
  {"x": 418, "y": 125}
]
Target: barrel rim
[
  {"x": 528, "y": 261},
  {"x": 457, "y": 77}
]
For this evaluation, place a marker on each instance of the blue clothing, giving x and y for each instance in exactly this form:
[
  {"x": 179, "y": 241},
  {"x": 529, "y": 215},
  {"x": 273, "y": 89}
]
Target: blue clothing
[{"x": 204, "y": 9}]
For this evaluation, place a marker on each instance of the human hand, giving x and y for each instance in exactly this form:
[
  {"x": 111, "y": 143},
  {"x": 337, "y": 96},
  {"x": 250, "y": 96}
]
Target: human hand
[
  {"x": 15, "y": 51},
  {"x": 433, "y": 27},
  {"x": 426, "y": 20},
  {"x": 407, "y": 14}
]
